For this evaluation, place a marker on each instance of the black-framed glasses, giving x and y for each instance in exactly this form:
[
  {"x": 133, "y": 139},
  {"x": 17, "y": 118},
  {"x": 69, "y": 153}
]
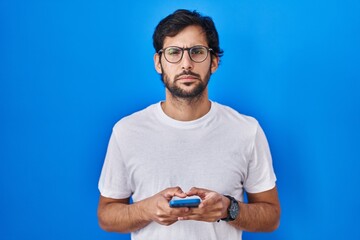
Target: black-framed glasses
[{"x": 174, "y": 54}]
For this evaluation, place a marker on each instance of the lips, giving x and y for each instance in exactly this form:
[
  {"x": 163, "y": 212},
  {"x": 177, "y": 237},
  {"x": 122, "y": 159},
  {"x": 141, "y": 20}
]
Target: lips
[{"x": 187, "y": 77}]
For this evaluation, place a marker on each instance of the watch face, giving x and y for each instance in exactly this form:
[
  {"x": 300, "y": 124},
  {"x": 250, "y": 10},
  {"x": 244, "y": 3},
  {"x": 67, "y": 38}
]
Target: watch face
[{"x": 234, "y": 209}]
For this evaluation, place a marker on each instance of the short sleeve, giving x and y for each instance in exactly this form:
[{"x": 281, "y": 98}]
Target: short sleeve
[
  {"x": 260, "y": 176},
  {"x": 113, "y": 182}
]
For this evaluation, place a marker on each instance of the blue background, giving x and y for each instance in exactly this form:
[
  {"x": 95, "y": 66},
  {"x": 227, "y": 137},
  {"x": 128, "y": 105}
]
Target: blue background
[{"x": 70, "y": 69}]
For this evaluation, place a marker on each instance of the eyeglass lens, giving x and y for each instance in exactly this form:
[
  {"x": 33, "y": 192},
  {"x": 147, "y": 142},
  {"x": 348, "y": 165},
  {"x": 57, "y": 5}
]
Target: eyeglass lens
[{"x": 197, "y": 53}]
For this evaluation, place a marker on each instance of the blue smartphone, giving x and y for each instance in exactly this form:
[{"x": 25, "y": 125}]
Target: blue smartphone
[{"x": 184, "y": 202}]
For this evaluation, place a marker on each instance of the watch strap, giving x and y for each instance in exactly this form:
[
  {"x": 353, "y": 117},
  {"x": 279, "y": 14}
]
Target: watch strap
[{"x": 232, "y": 201}]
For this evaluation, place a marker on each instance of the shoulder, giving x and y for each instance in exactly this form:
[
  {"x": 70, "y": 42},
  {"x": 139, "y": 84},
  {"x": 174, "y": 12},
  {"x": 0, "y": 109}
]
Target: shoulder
[
  {"x": 232, "y": 116},
  {"x": 137, "y": 119}
]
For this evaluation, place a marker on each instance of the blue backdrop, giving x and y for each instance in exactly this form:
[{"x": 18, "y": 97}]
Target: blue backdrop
[{"x": 70, "y": 69}]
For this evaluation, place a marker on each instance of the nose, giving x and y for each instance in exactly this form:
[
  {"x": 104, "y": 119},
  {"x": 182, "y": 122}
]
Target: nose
[{"x": 186, "y": 62}]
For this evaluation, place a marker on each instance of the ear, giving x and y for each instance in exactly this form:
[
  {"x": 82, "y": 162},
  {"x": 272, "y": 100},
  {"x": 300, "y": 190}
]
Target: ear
[
  {"x": 214, "y": 63},
  {"x": 157, "y": 63}
]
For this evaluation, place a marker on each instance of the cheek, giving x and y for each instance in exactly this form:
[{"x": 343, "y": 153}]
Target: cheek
[
  {"x": 169, "y": 72},
  {"x": 207, "y": 69}
]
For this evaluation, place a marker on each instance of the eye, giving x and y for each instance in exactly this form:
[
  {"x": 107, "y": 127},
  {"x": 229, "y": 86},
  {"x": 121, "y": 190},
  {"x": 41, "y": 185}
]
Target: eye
[
  {"x": 172, "y": 51},
  {"x": 198, "y": 51}
]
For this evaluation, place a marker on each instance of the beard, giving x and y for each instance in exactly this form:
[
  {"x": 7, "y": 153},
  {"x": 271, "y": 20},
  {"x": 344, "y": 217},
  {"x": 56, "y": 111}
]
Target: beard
[{"x": 180, "y": 93}]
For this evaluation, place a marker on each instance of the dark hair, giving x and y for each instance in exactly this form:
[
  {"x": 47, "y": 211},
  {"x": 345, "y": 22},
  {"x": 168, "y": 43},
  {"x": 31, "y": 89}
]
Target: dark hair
[{"x": 180, "y": 19}]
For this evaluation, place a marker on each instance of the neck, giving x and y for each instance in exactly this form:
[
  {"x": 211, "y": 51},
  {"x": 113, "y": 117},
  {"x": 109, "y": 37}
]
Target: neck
[{"x": 186, "y": 109}]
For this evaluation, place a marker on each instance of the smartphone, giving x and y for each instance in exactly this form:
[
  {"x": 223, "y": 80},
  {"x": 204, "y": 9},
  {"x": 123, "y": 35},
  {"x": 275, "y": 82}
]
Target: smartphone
[{"x": 184, "y": 202}]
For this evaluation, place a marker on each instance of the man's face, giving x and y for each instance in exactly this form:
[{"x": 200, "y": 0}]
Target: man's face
[{"x": 186, "y": 79}]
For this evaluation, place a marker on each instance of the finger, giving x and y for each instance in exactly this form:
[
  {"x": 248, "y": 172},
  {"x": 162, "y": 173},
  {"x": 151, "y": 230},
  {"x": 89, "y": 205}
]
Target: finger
[
  {"x": 214, "y": 201},
  {"x": 166, "y": 222},
  {"x": 207, "y": 203},
  {"x": 180, "y": 193},
  {"x": 197, "y": 191},
  {"x": 203, "y": 204},
  {"x": 175, "y": 191},
  {"x": 192, "y": 217},
  {"x": 210, "y": 199},
  {"x": 180, "y": 212},
  {"x": 201, "y": 217}
]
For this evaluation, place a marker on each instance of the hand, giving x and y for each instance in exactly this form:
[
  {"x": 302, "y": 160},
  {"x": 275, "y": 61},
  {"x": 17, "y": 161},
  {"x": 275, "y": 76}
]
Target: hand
[
  {"x": 158, "y": 209},
  {"x": 212, "y": 208}
]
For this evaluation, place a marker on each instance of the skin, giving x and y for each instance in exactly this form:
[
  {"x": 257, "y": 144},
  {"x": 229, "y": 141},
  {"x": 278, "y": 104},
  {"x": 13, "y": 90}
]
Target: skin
[{"x": 261, "y": 213}]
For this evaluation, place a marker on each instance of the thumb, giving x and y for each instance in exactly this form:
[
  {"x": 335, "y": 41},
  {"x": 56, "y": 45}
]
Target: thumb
[
  {"x": 176, "y": 191},
  {"x": 197, "y": 191}
]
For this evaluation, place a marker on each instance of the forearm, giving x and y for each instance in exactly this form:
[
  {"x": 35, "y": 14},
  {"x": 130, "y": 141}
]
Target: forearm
[
  {"x": 120, "y": 217},
  {"x": 117, "y": 215},
  {"x": 257, "y": 217}
]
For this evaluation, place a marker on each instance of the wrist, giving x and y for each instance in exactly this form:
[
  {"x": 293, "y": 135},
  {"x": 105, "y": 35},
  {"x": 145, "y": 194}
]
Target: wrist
[
  {"x": 233, "y": 209},
  {"x": 143, "y": 211},
  {"x": 226, "y": 205}
]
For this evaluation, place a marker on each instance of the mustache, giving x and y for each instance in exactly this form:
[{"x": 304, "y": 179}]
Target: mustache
[{"x": 187, "y": 73}]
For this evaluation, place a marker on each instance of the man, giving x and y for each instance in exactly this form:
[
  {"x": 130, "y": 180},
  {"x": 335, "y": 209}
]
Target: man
[{"x": 186, "y": 146}]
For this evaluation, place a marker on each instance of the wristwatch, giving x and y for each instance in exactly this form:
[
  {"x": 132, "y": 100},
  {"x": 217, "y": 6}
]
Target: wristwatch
[{"x": 233, "y": 210}]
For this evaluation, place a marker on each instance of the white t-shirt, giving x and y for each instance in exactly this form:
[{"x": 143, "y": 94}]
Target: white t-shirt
[{"x": 223, "y": 151}]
